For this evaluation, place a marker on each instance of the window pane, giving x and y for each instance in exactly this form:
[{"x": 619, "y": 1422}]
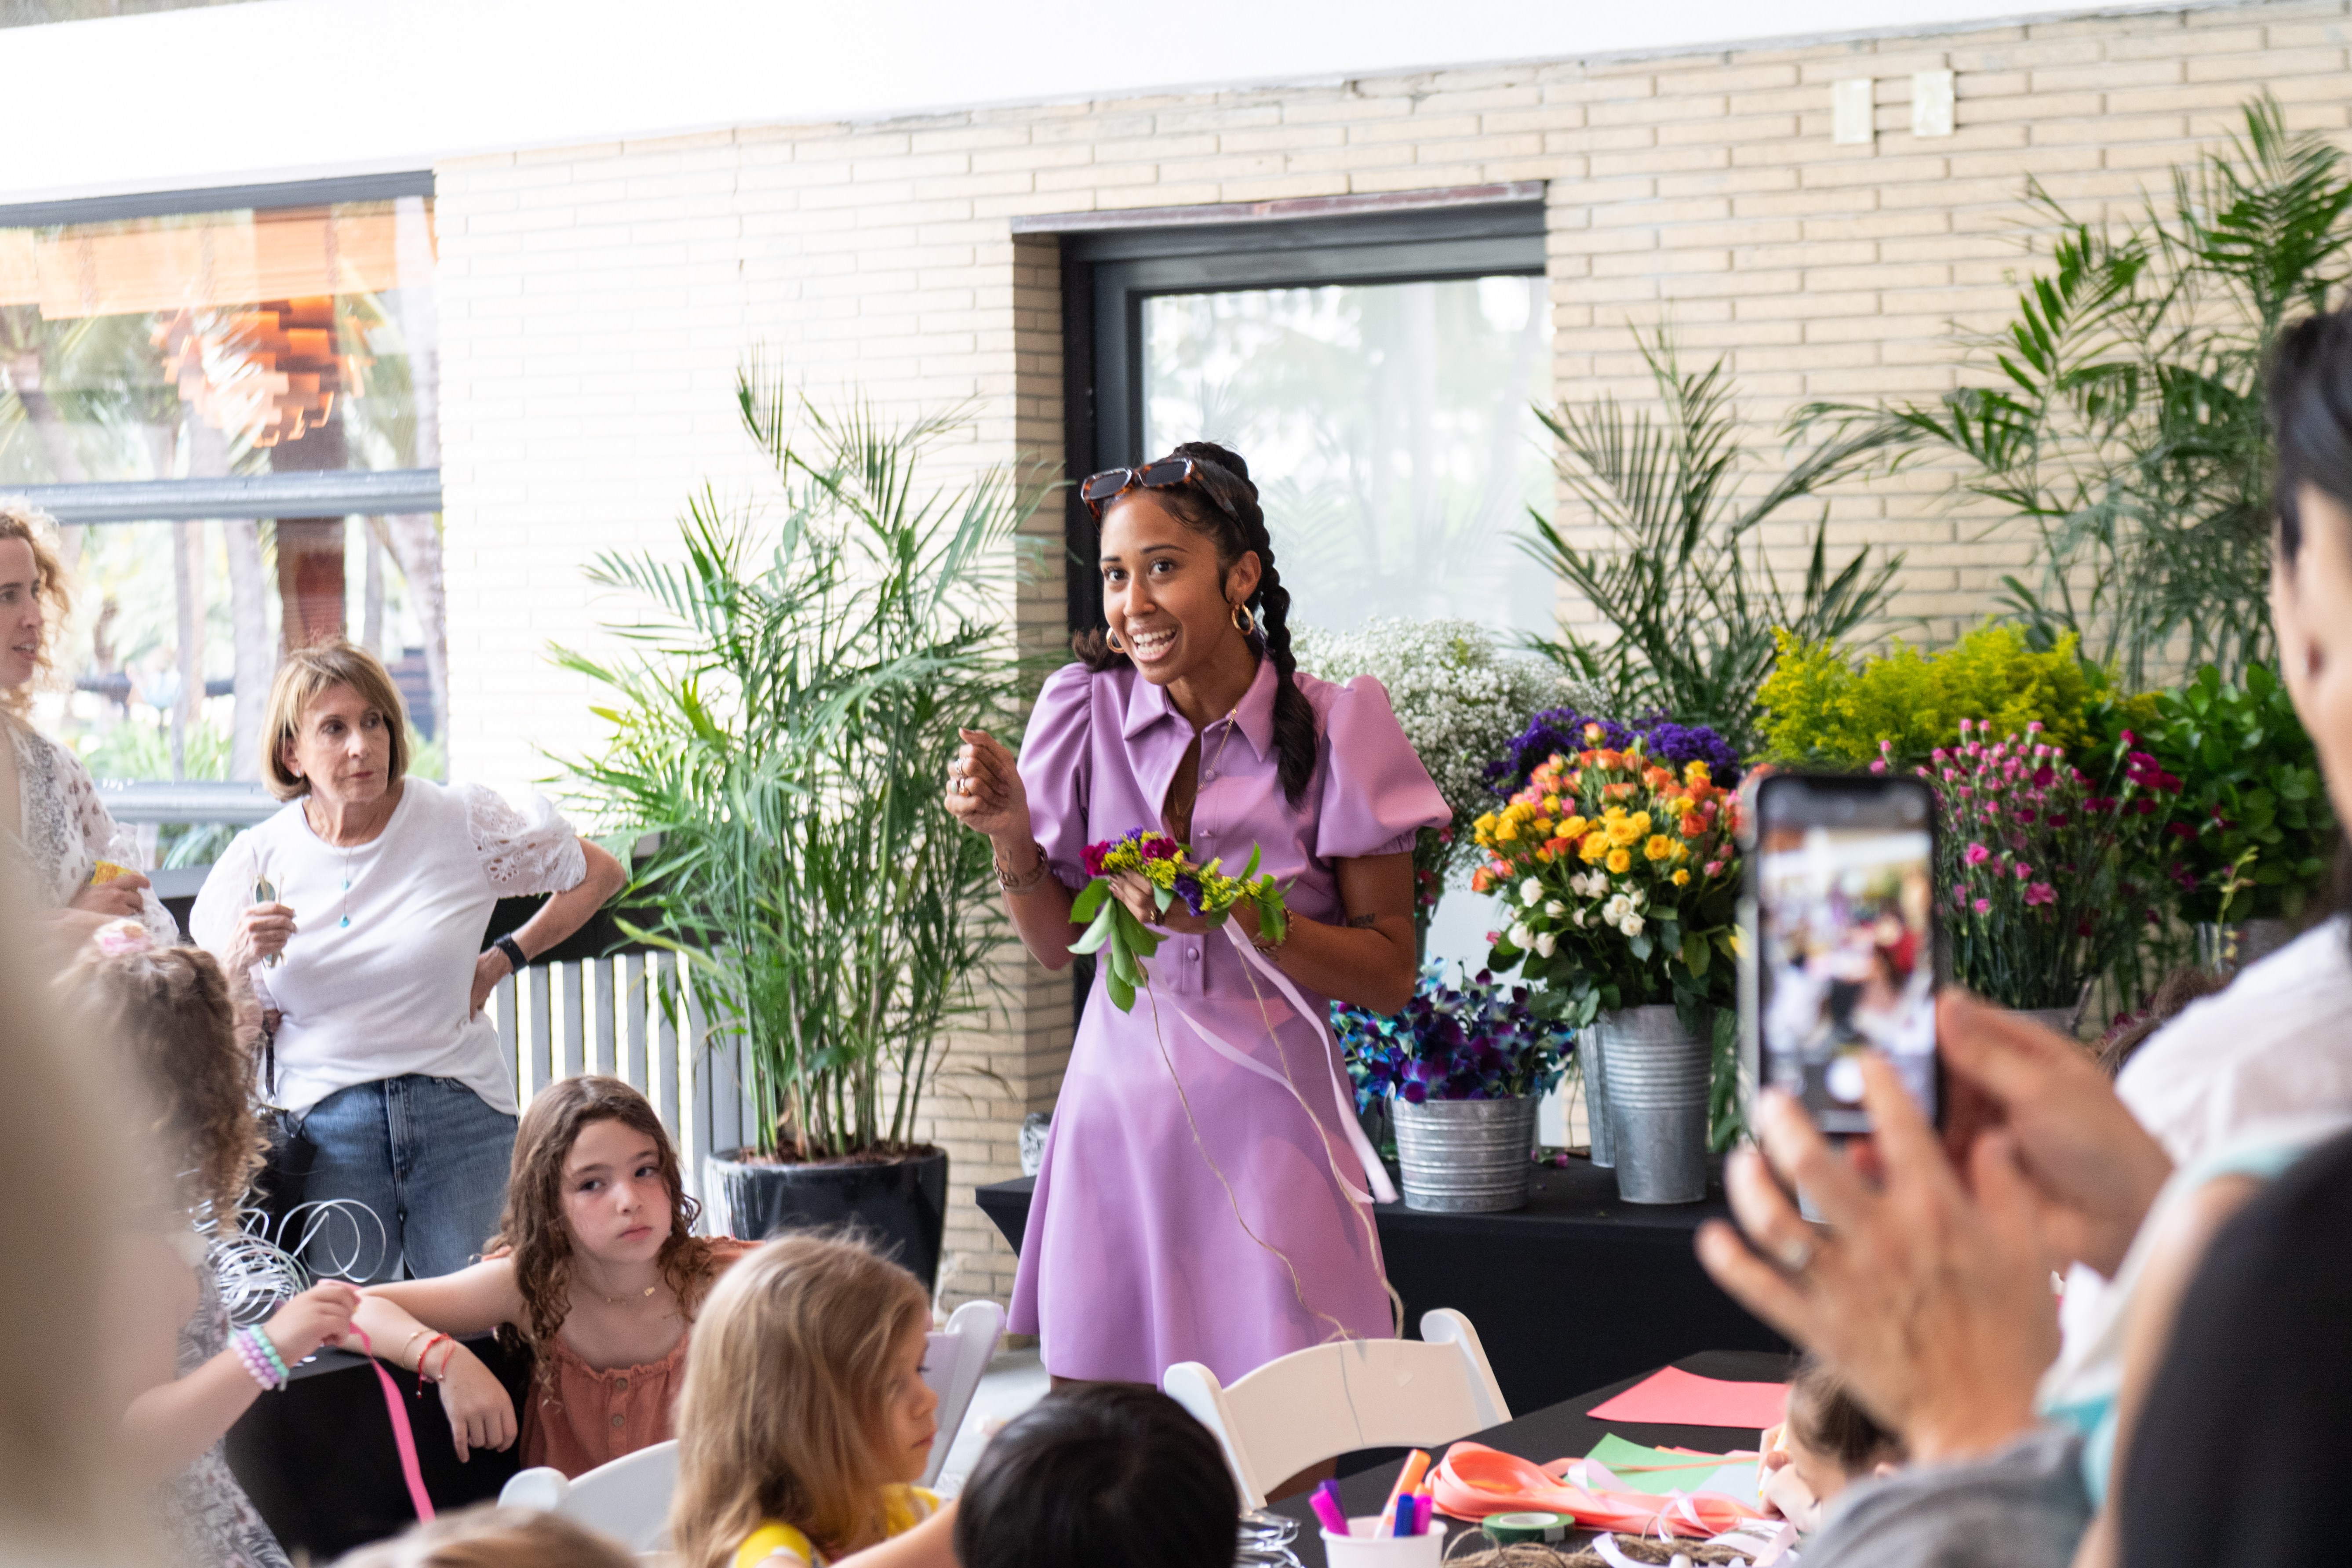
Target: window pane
[
  {"x": 163, "y": 668},
  {"x": 1390, "y": 428},
  {"x": 208, "y": 345}
]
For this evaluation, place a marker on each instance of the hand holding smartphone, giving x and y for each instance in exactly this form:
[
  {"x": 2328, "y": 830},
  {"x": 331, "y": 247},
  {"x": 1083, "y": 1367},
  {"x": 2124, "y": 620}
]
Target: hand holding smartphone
[{"x": 1839, "y": 946}]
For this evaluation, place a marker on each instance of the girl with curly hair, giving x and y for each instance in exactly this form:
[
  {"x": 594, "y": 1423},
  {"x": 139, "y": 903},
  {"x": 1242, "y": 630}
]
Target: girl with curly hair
[
  {"x": 170, "y": 1012},
  {"x": 595, "y": 1270}
]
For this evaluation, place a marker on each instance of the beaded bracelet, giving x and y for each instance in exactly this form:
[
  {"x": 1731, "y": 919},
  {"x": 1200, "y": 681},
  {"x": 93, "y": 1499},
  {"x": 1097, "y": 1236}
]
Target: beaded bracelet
[
  {"x": 268, "y": 1348},
  {"x": 260, "y": 1365}
]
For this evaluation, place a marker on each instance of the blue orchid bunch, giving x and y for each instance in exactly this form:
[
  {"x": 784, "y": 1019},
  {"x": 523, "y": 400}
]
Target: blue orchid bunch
[
  {"x": 1474, "y": 1041},
  {"x": 1562, "y": 729}
]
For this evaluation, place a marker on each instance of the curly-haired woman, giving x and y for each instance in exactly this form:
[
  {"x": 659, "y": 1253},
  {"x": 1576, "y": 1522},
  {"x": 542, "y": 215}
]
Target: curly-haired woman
[
  {"x": 1203, "y": 1205},
  {"x": 595, "y": 1269},
  {"x": 49, "y": 811}
]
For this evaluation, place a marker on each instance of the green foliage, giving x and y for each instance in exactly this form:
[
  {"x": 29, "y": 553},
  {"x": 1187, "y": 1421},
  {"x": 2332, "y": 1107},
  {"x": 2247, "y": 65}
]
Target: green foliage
[
  {"x": 2252, "y": 826},
  {"x": 782, "y": 720},
  {"x": 1820, "y": 711},
  {"x": 2120, "y": 426},
  {"x": 1682, "y": 578}
]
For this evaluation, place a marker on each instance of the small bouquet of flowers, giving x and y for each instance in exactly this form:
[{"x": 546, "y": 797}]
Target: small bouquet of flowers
[
  {"x": 1175, "y": 877},
  {"x": 1477, "y": 1041}
]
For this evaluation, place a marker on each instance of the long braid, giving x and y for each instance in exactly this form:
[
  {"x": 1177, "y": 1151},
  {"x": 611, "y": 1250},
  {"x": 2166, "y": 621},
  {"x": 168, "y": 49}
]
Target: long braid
[{"x": 1244, "y": 530}]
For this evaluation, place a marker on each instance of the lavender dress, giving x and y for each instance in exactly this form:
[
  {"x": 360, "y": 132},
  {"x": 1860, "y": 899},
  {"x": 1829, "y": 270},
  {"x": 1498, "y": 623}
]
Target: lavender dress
[{"x": 1135, "y": 1258}]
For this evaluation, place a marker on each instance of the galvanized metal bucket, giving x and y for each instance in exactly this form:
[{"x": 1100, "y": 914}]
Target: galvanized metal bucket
[
  {"x": 1465, "y": 1157},
  {"x": 1594, "y": 1072},
  {"x": 1656, "y": 1088}
]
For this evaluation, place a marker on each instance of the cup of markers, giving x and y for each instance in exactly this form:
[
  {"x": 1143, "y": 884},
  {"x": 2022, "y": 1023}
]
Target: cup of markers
[{"x": 1401, "y": 1535}]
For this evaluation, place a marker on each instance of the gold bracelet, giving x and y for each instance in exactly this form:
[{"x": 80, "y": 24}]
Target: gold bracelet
[{"x": 1026, "y": 881}]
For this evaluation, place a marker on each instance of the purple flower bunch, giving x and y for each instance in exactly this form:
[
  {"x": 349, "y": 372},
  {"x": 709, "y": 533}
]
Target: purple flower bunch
[
  {"x": 1476, "y": 1041},
  {"x": 1563, "y": 731}
]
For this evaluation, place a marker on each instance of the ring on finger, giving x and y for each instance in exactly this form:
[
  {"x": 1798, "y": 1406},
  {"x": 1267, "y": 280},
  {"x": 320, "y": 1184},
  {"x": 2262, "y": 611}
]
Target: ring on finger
[{"x": 1795, "y": 1253}]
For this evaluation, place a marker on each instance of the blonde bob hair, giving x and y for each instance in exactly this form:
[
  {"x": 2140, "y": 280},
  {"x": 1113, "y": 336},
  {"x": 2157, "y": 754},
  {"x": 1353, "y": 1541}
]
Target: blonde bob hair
[
  {"x": 20, "y": 518},
  {"x": 784, "y": 1414},
  {"x": 310, "y": 673}
]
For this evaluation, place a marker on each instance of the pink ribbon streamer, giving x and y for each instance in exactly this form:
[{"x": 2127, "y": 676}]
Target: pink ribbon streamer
[
  {"x": 403, "y": 1436},
  {"x": 1376, "y": 1176}
]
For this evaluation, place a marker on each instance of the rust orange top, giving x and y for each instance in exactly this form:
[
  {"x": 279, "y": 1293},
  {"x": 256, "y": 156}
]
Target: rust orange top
[{"x": 593, "y": 1415}]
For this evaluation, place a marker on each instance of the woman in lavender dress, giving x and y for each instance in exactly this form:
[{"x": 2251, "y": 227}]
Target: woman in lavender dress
[{"x": 1204, "y": 1194}]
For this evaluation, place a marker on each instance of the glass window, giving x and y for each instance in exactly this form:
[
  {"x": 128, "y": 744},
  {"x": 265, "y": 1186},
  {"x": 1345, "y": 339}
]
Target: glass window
[
  {"x": 254, "y": 345},
  {"x": 163, "y": 668},
  {"x": 215, "y": 344},
  {"x": 1390, "y": 429}
]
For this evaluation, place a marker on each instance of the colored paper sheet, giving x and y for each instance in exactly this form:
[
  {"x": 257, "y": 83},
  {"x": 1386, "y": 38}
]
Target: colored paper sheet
[
  {"x": 1679, "y": 1398},
  {"x": 1658, "y": 1471}
]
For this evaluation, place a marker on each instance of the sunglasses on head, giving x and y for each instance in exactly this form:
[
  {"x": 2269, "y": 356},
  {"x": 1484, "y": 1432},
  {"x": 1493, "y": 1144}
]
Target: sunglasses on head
[{"x": 1100, "y": 490}]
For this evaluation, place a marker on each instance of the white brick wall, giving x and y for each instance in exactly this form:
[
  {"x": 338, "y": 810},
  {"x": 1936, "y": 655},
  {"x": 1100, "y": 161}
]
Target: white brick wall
[{"x": 596, "y": 301}]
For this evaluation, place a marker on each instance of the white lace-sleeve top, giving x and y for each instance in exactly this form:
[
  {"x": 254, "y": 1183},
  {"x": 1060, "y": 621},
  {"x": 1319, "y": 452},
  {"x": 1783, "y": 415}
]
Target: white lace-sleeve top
[
  {"x": 378, "y": 978},
  {"x": 67, "y": 829}
]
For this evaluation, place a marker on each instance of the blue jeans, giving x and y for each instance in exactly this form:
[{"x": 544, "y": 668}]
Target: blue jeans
[{"x": 426, "y": 1156}]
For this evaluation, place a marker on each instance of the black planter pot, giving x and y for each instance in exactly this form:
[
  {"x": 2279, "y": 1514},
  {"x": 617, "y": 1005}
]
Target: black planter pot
[{"x": 901, "y": 1205}]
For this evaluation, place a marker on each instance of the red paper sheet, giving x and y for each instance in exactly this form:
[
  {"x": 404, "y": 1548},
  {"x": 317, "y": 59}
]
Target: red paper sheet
[{"x": 1679, "y": 1398}]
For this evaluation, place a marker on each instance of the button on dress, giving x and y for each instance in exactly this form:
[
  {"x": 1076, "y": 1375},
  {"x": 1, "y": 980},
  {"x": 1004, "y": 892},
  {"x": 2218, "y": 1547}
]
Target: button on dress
[{"x": 1135, "y": 1257}]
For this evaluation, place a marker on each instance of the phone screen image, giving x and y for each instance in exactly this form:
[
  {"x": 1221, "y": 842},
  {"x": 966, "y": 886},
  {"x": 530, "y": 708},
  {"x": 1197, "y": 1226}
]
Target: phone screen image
[{"x": 1844, "y": 898}]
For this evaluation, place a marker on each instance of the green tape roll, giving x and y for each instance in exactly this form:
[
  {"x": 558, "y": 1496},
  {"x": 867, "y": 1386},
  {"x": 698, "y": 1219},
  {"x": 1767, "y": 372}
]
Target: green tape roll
[{"x": 1504, "y": 1529}]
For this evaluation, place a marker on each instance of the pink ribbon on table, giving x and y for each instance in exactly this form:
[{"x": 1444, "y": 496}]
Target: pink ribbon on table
[
  {"x": 403, "y": 1436},
  {"x": 1376, "y": 1176}
]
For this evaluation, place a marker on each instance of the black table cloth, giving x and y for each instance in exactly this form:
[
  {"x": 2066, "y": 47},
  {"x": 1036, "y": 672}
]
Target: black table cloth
[
  {"x": 316, "y": 1457},
  {"x": 1558, "y": 1431},
  {"x": 1575, "y": 1289}
]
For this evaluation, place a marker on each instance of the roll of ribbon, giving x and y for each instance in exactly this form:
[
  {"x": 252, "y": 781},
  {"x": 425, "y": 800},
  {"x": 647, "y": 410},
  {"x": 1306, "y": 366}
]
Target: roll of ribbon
[{"x": 1504, "y": 1528}]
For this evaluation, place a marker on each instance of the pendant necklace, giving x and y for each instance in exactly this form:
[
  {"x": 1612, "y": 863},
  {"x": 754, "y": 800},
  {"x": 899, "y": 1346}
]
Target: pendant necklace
[
  {"x": 616, "y": 1301},
  {"x": 347, "y": 889}
]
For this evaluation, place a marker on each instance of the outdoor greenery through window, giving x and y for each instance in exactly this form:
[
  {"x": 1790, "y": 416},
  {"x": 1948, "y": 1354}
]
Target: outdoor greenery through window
[
  {"x": 1390, "y": 428},
  {"x": 242, "y": 345}
]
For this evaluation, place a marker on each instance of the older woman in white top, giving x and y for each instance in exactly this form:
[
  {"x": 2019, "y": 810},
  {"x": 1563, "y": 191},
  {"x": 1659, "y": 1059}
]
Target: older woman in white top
[
  {"x": 378, "y": 888},
  {"x": 50, "y": 817}
]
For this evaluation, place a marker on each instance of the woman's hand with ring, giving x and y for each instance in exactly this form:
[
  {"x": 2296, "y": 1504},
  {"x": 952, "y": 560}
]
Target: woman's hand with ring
[
  {"x": 1930, "y": 1296},
  {"x": 984, "y": 791}
]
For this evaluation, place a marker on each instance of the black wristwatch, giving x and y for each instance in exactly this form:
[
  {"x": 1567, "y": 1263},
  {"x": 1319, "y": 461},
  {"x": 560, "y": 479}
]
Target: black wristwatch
[{"x": 513, "y": 950}]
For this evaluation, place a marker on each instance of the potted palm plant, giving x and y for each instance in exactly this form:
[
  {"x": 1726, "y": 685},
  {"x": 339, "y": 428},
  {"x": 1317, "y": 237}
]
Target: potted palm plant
[{"x": 782, "y": 712}]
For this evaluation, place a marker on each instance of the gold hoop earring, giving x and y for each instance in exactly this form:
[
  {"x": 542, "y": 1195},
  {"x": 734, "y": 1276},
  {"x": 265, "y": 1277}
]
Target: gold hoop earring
[
  {"x": 1244, "y": 621},
  {"x": 1110, "y": 638}
]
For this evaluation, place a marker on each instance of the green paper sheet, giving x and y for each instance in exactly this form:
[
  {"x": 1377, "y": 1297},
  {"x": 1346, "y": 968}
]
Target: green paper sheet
[{"x": 1655, "y": 1472}]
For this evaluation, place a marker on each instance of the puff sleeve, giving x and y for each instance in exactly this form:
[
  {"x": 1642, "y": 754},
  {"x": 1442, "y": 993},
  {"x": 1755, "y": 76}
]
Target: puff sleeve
[
  {"x": 1376, "y": 796},
  {"x": 1056, "y": 768},
  {"x": 532, "y": 851}
]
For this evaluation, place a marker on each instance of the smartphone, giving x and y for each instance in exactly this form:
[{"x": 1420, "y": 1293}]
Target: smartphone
[{"x": 1839, "y": 942}]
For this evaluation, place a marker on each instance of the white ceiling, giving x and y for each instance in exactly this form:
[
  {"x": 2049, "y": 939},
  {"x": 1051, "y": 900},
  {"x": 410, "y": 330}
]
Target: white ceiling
[{"x": 295, "y": 89}]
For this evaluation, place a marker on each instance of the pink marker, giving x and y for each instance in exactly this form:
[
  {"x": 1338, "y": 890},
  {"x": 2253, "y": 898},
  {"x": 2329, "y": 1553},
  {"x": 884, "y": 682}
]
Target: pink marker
[{"x": 1325, "y": 1501}]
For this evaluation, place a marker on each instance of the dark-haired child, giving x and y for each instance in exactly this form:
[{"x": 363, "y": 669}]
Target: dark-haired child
[
  {"x": 1828, "y": 1443},
  {"x": 1109, "y": 1473}
]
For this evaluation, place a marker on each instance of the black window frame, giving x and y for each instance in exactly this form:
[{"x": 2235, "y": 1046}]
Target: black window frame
[
  {"x": 339, "y": 492},
  {"x": 1108, "y": 273}
]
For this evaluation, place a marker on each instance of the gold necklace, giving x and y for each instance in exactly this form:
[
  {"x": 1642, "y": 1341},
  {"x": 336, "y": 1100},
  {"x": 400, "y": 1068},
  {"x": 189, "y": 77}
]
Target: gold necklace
[{"x": 616, "y": 1301}]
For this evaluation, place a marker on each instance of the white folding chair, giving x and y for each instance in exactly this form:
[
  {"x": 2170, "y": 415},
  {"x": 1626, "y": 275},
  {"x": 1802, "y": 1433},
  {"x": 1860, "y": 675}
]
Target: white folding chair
[
  {"x": 952, "y": 1365},
  {"x": 1317, "y": 1403},
  {"x": 627, "y": 1500}
]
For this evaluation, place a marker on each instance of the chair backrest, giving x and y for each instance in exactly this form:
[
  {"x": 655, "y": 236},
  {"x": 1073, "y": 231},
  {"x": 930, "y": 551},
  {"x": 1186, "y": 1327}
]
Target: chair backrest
[
  {"x": 627, "y": 1500},
  {"x": 1314, "y": 1405},
  {"x": 952, "y": 1365}
]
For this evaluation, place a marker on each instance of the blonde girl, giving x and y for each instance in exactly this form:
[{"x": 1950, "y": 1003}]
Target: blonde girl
[
  {"x": 805, "y": 1420},
  {"x": 170, "y": 1014},
  {"x": 595, "y": 1270}
]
